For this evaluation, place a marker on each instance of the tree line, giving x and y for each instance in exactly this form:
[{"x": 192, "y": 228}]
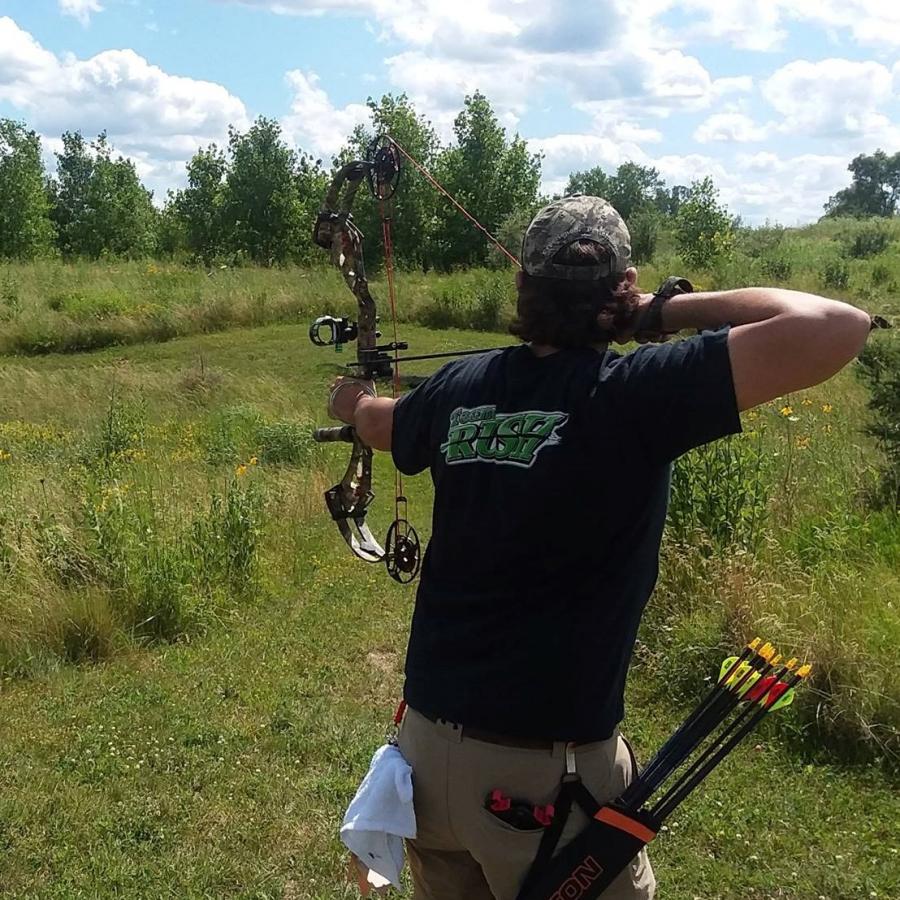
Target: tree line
[{"x": 256, "y": 198}]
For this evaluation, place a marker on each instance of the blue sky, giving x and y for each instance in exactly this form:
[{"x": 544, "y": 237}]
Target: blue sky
[{"x": 770, "y": 97}]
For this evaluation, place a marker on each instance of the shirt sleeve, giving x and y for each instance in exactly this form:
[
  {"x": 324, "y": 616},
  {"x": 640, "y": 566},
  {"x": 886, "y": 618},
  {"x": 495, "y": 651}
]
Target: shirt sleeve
[
  {"x": 411, "y": 444},
  {"x": 676, "y": 396}
]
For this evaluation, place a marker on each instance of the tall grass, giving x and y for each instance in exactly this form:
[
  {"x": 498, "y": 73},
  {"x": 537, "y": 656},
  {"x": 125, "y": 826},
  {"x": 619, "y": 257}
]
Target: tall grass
[
  {"x": 146, "y": 494},
  {"x": 130, "y": 530}
]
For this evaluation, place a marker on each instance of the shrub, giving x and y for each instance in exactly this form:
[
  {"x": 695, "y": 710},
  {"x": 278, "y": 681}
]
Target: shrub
[
  {"x": 477, "y": 300},
  {"x": 86, "y": 306},
  {"x": 120, "y": 437},
  {"x": 777, "y": 267},
  {"x": 880, "y": 275},
  {"x": 704, "y": 231},
  {"x": 157, "y": 590},
  {"x": 229, "y": 433},
  {"x": 836, "y": 274},
  {"x": 285, "y": 442},
  {"x": 644, "y": 227},
  {"x": 225, "y": 539},
  {"x": 880, "y": 364},
  {"x": 761, "y": 243},
  {"x": 719, "y": 494},
  {"x": 868, "y": 239},
  {"x": 10, "y": 296}
]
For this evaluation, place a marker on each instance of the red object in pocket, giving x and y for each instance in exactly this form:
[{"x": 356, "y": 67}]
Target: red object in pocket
[{"x": 499, "y": 801}]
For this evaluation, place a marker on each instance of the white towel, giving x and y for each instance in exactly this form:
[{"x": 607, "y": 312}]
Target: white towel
[{"x": 381, "y": 814}]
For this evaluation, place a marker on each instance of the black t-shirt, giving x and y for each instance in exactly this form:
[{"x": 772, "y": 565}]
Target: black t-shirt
[{"x": 551, "y": 485}]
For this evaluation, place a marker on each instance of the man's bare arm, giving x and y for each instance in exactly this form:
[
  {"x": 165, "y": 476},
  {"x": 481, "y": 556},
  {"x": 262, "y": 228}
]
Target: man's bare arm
[
  {"x": 374, "y": 421},
  {"x": 781, "y": 341}
]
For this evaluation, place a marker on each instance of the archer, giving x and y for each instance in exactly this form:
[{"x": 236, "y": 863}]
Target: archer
[{"x": 551, "y": 464}]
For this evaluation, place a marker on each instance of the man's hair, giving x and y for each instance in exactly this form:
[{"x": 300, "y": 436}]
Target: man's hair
[{"x": 563, "y": 313}]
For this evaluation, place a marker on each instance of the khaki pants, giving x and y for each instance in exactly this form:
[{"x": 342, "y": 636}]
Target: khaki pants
[{"x": 464, "y": 852}]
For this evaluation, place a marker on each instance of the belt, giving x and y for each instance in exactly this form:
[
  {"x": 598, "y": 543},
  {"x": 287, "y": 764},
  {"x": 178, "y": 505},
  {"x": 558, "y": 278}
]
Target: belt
[{"x": 491, "y": 737}]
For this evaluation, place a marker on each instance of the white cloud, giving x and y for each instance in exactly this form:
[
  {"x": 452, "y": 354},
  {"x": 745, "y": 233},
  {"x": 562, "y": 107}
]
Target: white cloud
[
  {"x": 515, "y": 49},
  {"x": 833, "y": 98},
  {"x": 789, "y": 190},
  {"x": 150, "y": 115},
  {"x": 567, "y": 153},
  {"x": 80, "y": 9},
  {"x": 763, "y": 185},
  {"x": 314, "y": 124},
  {"x": 747, "y": 24},
  {"x": 730, "y": 127},
  {"x": 763, "y": 24}
]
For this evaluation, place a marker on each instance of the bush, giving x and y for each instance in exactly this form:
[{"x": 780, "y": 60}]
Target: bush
[
  {"x": 477, "y": 300},
  {"x": 285, "y": 442},
  {"x": 225, "y": 540},
  {"x": 777, "y": 267},
  {"x": 869, "y": 239},
  {"x": 760, "y": 243},
  {"x": 719, "y": 495},
  {"x": 644, "y": 227},
  {"x": 836, "y": 274},
  {"x": 880, "y": 276},
  {"x": 704, "y": 231},
  {"x": 230, "y": 434},
  {"x": 880, "y": 364}
]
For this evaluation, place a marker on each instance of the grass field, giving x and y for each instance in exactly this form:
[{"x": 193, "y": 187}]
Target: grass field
[{"x": 194, "y": 673}]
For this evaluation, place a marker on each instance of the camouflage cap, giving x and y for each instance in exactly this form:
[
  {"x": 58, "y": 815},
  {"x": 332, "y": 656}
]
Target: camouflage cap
[{"x": 576, "y": 218}]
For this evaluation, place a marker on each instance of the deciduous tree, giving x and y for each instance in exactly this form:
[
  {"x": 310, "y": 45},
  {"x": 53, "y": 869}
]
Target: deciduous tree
[
  {"x": 99, "y": 204},
  {"x": 704, "y": 229},
  {"x": 874, "y": 191},
  {"x": 262, "y": 213},
  {"x": 25, "y": 227}
]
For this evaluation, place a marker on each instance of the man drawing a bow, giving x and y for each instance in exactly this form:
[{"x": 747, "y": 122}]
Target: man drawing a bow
[{"x": 551, "y": 464}]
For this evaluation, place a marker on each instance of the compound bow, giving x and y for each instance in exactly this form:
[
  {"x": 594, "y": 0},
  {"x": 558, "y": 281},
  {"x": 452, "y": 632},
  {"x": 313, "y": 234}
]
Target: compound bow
[{"x": 349, "y": 500}]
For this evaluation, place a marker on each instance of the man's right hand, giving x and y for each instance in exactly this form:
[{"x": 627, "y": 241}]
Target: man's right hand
[{"x": 630, "y": 333}]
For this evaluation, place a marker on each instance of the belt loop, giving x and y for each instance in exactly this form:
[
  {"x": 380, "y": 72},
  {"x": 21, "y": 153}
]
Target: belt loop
[
  {"x": 453, "y": 732},
  {"x": 571, "y": 768}
]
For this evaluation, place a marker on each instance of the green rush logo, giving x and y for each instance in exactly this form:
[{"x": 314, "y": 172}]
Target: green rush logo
[{"x": 515, "y": 439}]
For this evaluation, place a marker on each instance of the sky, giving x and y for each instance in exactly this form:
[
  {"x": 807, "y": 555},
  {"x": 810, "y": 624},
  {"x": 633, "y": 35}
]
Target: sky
[{"x": 772, "y": 98}]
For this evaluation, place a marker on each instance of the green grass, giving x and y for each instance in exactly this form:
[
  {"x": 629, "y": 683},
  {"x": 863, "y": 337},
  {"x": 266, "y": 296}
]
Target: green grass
[{"x": 194, "y": 671}]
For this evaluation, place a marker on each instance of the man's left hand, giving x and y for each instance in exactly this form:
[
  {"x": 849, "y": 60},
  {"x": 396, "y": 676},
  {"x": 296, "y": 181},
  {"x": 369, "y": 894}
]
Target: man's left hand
[{"x": 346, "y": 393}]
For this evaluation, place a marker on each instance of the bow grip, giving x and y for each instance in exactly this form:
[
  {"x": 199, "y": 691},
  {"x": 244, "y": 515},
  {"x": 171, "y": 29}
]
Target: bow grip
[{"x": 345, "y": 433}]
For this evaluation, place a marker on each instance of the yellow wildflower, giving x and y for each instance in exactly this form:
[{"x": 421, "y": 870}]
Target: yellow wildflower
[
  {"x": 803, "y": 443},
  {"x": 827, "y": 408},
  {"x": 240, "y": 471},
  {"x": 254, "y": 461},
  {"x": 787, "y": 411},
  {"x": 827, "y": 429},
  {"x": 806, "y": 401}
]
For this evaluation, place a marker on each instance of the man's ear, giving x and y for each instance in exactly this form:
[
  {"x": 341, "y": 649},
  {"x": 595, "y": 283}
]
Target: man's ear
[{"x": 631, "y": 274}]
